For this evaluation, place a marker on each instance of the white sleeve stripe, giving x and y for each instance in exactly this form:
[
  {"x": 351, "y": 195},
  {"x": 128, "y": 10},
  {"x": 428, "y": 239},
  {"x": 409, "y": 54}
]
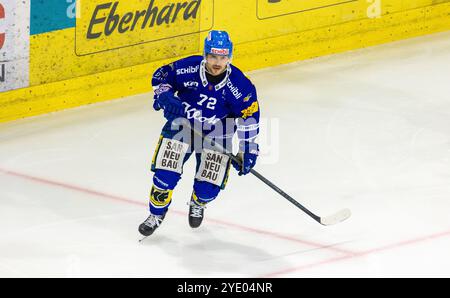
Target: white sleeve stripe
[
  {"x": 248, "y": 127},
  {"x": 226, "y": 136},
  {"x": 248, "y": 139}
]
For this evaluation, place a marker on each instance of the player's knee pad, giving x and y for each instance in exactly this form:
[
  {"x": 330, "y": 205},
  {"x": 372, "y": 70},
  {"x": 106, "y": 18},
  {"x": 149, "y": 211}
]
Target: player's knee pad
[
  {"x": 166, "y": 179},
  {"x": 205, "y": 192},
  {"x": 213, "y": 167},
  {"x": 160, "y": 200},
  {"x": 170, "y": 155}
]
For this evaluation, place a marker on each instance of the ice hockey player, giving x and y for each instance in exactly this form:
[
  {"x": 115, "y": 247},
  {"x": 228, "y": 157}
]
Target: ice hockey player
[{"x": 213, "y": 96}]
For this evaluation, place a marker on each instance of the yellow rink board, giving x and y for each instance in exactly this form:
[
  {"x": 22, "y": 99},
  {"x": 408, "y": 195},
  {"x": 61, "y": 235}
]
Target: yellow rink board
[{"x": 69, "y": 70}]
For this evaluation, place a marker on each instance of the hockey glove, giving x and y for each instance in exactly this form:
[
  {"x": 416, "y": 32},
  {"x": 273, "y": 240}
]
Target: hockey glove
[
  {"x": 172, "y": 105},
  {"x": 248, "y": 154}
]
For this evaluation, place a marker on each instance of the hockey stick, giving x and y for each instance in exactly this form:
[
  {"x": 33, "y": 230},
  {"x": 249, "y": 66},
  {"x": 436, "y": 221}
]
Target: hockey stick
[{"x": 326, "y": 221}]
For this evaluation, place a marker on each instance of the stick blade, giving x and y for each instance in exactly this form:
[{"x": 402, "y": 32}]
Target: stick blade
[{"x": 336, "y": 218}]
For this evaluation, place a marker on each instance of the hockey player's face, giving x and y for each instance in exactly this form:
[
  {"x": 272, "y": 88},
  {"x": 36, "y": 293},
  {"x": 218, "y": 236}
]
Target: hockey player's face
[{"x": 216, "y": 64}]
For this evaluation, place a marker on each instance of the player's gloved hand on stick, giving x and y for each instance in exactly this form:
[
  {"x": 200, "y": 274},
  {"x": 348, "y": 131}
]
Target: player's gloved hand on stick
[
  {"x": 248, "y": 154},
  {"x": 172, "y": 105}
]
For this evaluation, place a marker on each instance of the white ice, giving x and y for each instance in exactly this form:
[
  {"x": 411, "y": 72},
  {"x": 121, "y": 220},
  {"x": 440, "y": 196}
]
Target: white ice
[{"x": 367, "y": 130}]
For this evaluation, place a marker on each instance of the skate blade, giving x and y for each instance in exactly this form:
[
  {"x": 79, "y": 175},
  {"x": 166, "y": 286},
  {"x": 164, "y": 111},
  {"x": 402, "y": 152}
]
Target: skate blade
[{"x": 141, "y": 240}]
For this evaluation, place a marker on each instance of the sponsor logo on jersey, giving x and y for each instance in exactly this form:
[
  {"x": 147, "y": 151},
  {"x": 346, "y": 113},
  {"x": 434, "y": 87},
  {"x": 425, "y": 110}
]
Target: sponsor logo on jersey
[
  {"x": 234, "y": 90},
  {"x": 223, "y": 52},
  {"x": 106, "y": 20},
  {"x": 193, "y": 113},
  {"x": 191, "y": 84},
  {"x": 187, "y": 70},
  {"x": 248, "y": 112}
]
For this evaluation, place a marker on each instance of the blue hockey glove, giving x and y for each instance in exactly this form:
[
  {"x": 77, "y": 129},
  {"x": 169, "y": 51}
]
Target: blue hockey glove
[
  {"x": 160, "y": 89},
  {"x": 248, "y": 155},
  {"x": 172, "y": 105},
  {"x": 156, "y": 105}
]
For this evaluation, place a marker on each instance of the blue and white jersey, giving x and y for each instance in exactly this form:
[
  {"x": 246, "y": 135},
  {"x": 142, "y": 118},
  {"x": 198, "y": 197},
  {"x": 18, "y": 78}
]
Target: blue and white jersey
[{"x": 234, "y": 98}]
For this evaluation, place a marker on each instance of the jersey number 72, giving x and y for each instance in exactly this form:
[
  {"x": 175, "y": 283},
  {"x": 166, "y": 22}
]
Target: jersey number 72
[{"x": 211, "y": 101}]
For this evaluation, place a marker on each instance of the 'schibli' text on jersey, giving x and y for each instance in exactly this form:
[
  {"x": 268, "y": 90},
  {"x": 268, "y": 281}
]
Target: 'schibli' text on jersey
[{"x": 203, "y": 101}]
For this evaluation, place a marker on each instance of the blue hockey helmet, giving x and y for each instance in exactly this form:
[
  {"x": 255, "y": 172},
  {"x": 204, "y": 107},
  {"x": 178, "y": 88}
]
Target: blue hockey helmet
[{"x": 218, "y": 43}]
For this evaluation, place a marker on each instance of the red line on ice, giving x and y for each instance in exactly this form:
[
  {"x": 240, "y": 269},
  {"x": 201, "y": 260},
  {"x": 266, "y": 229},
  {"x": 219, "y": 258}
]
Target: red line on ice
[
  {"x": 216, "y": 221},
  {"x": 359, "y": 254}
]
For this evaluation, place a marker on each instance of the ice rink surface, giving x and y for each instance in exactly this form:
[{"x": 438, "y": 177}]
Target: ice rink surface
[{"x": 367, "y": 130}]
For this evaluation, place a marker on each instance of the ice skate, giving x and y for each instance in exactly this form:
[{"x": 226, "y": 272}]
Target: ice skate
[{"x": 151, "y": 224}]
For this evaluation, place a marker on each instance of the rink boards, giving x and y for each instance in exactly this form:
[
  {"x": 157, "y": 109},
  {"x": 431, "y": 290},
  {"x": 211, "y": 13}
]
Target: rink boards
[{"x": 77, "y": 53}]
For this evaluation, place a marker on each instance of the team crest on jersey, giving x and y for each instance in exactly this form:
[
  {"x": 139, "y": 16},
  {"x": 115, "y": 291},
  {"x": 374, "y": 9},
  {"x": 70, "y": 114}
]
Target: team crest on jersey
[
  {"x": 248, "y": 112},
  {"x": 160, "y": 75}
]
